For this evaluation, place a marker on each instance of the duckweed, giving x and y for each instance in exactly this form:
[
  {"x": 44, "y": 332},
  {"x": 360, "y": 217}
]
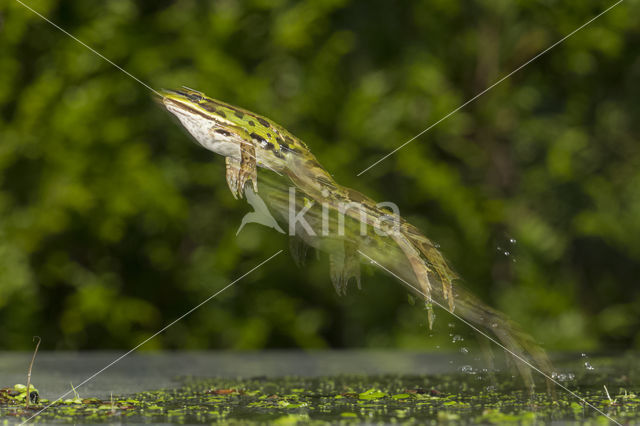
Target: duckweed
[{"x": 495, "y": 398}]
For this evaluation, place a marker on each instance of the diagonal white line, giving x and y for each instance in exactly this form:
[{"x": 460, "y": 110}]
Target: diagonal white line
[
  {"x": 92, "y": 49},
  {"x": 491, "y": 87},
  {"x": 91, "y": 377},
  {"x": 581, "y": 399},
  {"x": 111, "y": 62},
  {"x": 363, "y": 171}
]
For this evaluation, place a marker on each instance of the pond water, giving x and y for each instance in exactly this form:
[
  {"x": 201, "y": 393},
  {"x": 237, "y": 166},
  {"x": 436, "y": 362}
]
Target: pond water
[{"x": 345, "y": 386}]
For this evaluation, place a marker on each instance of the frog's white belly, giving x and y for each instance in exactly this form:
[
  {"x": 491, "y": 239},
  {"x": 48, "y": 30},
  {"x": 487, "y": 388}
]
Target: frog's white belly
[{"x": 202, "y": 130}]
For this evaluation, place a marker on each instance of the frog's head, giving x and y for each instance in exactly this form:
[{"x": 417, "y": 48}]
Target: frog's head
[{"x": 210, "y": 122}]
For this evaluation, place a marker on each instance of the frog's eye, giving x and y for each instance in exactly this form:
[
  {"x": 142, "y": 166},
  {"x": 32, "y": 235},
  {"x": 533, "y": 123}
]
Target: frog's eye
[{"x": 194, "y": 95}]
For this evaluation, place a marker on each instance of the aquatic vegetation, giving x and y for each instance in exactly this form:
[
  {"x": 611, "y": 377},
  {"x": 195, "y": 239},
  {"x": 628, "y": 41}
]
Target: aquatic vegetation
[
  {"x": 19, "y": 394},
  {"x": 485, "y": 397}
]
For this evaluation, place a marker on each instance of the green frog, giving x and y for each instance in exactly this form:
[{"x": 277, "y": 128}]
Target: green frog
[{"x": 249, "y": 141}]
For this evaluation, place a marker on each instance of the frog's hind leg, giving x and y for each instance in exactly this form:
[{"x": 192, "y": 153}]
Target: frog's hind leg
[{"x": 344, "y": 264}]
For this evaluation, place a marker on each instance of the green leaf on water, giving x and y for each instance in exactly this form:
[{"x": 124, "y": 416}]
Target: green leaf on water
[
  {"x": 372, "y": 394},
  {"x": 401, "y": 396}
]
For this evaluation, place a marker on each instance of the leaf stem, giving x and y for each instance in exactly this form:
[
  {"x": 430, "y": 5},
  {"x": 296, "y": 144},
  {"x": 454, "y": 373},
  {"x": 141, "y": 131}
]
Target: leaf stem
[{"x": 28, "y": 396}]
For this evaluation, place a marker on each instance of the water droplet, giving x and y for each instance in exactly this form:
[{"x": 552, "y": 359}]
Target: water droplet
[
  {"x": 494, "y": 324},
  {"x": 464, "y": 350},
  {"x": 499, "y": 248},
  {"x": 451, "y": 325},
  {"x": 563, "y": 377},
  {"x": 506, "y": 253},
  {"x": 457, "y": 338},
  {"x": 583, "y": 355},
  {"x": 588, "y": 366},
  {"x": 467, "y": 369},
  {"x": 436, "y": 245},
  {"x": 437, "y": 346},
  {"x": 431, "y": 315},
  {"x": 512, "y": 240}
]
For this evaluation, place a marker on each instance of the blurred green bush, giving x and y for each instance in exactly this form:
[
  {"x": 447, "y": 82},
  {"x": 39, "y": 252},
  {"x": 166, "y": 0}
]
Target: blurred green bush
[{"x": 112, "y": 224}]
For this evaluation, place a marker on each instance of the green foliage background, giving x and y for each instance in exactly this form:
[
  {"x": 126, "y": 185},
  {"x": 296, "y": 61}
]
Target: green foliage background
[{"x": 112, "y": 223}]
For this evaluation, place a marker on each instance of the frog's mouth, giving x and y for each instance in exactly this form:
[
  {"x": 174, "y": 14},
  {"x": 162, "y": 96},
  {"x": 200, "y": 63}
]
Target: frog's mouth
[
  {"x": 206, "y": 130},
  {"x": 181, "y": 109},
  {"x": 184, "y": 103}
]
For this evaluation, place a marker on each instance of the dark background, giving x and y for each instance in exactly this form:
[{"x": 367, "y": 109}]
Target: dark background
[{"x": 112, "y": 223}]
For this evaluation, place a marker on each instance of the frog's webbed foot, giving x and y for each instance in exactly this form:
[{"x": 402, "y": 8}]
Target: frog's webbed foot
[
  {"x": 243, "y": 170},
  {"x": 344, "y": 264}
]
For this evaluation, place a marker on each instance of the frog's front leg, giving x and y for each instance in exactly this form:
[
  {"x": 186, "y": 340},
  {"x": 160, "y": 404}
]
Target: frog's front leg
[
  {"x": 242, "y": 170},
  {"x": 233, "y": 167}
]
